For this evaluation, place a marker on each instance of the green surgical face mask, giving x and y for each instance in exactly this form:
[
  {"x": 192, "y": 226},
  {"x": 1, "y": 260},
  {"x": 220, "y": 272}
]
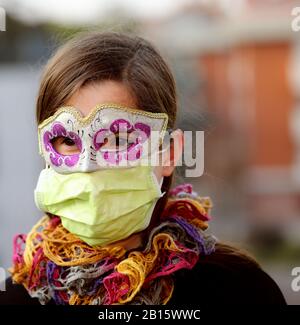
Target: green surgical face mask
[{"x": 103, "y": 206}]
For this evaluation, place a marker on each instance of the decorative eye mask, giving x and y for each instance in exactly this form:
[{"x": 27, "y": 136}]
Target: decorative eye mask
[{"x": 110, "y": 136}]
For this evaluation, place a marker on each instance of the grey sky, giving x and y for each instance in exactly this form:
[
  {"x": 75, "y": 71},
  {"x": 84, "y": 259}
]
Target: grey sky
[{"x": 85, "y": 11}]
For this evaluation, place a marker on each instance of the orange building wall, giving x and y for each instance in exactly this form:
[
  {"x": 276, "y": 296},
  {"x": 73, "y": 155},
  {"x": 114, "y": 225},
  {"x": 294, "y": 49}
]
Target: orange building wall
[
  {"x": 264, "y": 101},
  {"x": 273, "y": 104}
]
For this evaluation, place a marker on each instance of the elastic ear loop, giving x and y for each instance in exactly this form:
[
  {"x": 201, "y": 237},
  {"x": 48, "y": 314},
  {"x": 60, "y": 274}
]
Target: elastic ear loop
[
  {"x": 162, "y": 151},
  {"x": 163, "y": 146}
]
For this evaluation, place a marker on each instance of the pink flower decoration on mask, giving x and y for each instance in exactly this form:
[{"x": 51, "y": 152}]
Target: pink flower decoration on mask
[
  {"x": 137, "y": 134},
  {"x": 57, "y": 159}
]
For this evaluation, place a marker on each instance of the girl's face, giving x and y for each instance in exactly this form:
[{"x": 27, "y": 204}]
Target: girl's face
[{"x": 87, "y": 97}]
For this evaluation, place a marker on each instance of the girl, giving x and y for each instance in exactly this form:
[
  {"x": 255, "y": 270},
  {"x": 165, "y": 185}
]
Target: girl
[{"x": 114, "y": 232}]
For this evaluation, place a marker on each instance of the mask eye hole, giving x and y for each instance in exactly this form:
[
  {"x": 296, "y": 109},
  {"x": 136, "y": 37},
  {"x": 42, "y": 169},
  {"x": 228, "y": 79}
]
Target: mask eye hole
[{"x": 65, "y": 146}]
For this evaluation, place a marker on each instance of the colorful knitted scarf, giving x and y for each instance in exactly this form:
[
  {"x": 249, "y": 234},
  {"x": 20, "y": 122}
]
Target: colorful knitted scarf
[{"x": 52, "y": 263}]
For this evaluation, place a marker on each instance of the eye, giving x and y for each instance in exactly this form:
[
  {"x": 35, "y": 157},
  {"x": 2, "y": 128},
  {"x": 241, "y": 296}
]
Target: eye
[
  {"x": 68, "y": 141},
  {"x": 121, "y": 142},
  {"x": 65, "y": 145},
  {"x": 117, "y": 142}
]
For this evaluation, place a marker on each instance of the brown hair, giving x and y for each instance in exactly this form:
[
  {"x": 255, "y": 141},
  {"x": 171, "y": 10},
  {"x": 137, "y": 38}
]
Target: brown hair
[{"x": 96, "y": 56}]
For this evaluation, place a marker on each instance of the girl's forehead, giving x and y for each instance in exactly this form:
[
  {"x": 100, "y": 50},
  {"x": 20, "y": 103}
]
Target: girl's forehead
[{"x": 86, "y": 98}]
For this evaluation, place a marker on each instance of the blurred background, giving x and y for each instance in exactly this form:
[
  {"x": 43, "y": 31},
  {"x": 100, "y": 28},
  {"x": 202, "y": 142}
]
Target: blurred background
[{"x": 237, "y": 66}]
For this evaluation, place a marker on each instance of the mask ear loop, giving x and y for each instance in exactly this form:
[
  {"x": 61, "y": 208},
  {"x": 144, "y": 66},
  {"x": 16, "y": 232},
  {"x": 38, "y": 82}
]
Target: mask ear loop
[
  {"x": 162, "y": 151},
  {"x": 161, "y": 181},
  {"x": 163, "y": 146}
]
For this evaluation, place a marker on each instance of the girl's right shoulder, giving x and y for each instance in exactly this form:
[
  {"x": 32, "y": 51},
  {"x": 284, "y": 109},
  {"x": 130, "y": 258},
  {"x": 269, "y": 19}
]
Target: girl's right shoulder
[{"x": 227, "y": 276}]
